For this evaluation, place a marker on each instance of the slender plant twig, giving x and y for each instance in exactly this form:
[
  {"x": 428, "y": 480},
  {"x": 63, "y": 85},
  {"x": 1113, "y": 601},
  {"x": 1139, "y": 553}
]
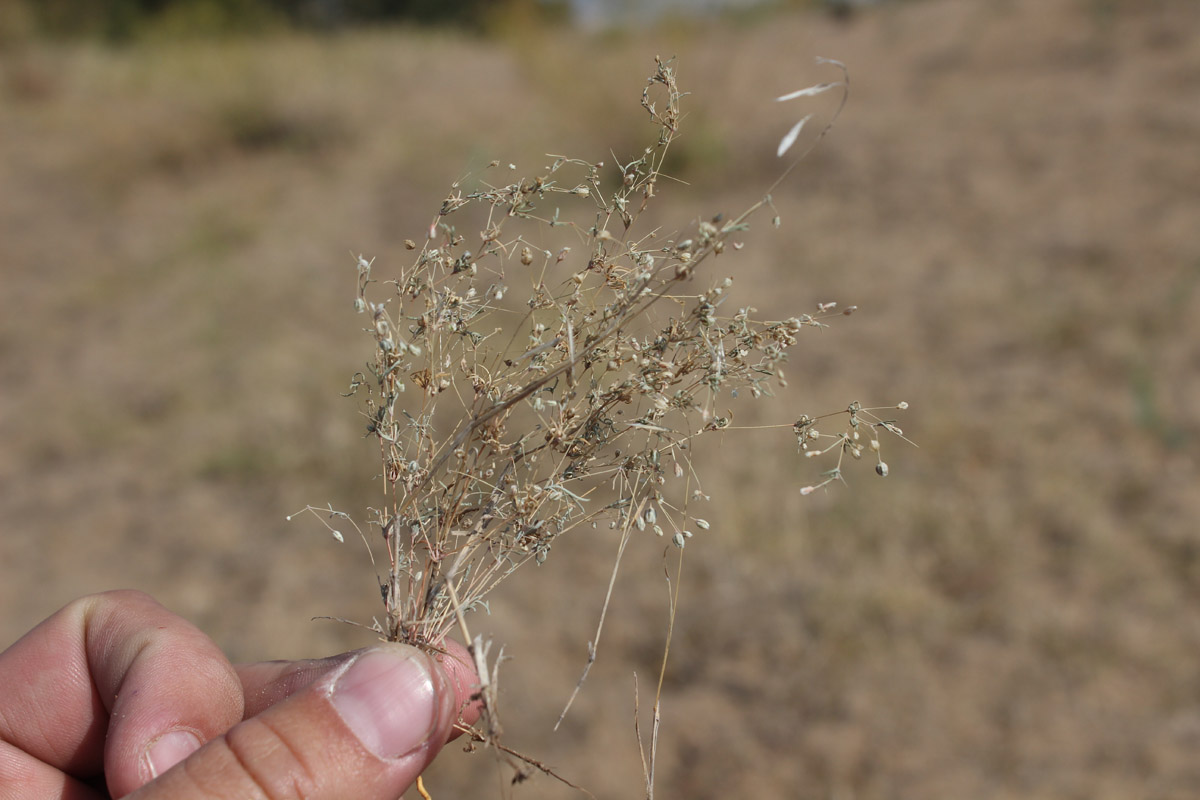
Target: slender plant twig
[
  {"x": 481, "y": 738},
  {"x": 673, "y": 601},
  {"x": 595, "y": 642}
]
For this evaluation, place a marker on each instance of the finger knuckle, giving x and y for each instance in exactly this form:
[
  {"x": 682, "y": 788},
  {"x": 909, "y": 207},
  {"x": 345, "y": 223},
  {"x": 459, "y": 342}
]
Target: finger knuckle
[{"x": 260, "y": 763}]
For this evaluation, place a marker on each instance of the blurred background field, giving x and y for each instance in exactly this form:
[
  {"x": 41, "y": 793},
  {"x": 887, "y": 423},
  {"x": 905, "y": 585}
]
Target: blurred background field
[{"x": 1012, "y": 200}]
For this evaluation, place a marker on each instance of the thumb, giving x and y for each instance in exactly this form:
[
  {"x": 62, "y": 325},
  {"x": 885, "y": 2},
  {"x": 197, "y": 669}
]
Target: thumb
[{"x": 366, "y": 729}]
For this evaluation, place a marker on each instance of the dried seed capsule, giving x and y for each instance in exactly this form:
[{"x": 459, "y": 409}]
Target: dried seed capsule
[{"x": 882, "y": 469}]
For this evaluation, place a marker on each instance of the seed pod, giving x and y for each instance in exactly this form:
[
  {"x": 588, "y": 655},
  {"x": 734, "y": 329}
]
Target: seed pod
[{"x": 882, "y": 469}]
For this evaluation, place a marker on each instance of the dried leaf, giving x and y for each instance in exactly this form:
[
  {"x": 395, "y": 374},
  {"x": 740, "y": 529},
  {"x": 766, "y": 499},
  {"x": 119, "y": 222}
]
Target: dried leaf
[
  {"x": 810, "y": 91},
  {"x": 787, "y": 141}
]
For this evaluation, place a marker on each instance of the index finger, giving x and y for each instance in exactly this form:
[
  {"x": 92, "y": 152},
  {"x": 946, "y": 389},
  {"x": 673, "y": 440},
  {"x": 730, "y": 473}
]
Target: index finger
[{"x": 103, "y": 681}]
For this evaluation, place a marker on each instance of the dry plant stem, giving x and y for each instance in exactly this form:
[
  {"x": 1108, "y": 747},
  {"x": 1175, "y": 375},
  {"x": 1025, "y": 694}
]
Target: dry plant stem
[
  {"x": 479, "y": 656},
  {"x": 673, "y": 600},
  {"x": 479, "y": 737},
  {"x": 592, "y": 645},
  {"x": 637, "y": 733}
]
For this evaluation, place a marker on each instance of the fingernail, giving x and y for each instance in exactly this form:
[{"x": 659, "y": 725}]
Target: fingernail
[
  {"x": 387, "y": 699},
  {"x": 169, "y": 749}
]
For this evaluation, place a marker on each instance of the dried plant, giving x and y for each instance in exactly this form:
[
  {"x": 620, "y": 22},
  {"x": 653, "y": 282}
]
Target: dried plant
[{"x": 518, "y": 391}]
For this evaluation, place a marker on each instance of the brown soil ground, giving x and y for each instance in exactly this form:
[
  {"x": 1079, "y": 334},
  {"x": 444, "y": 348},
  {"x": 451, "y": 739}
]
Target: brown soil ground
[{"x": 1012, "y": 199}]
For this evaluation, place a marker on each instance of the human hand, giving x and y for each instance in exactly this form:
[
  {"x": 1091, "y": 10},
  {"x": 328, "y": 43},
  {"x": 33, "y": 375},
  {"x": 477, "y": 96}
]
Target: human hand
[{"x": 115, "y": 695}]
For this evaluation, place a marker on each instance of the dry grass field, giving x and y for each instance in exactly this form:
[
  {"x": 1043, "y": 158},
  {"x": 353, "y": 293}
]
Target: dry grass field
[{"x": 1012, "y": 200}]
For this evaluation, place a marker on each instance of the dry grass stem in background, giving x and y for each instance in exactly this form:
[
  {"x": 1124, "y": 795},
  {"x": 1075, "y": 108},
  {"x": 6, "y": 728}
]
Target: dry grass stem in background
[{"x": 546, "y": 363}]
